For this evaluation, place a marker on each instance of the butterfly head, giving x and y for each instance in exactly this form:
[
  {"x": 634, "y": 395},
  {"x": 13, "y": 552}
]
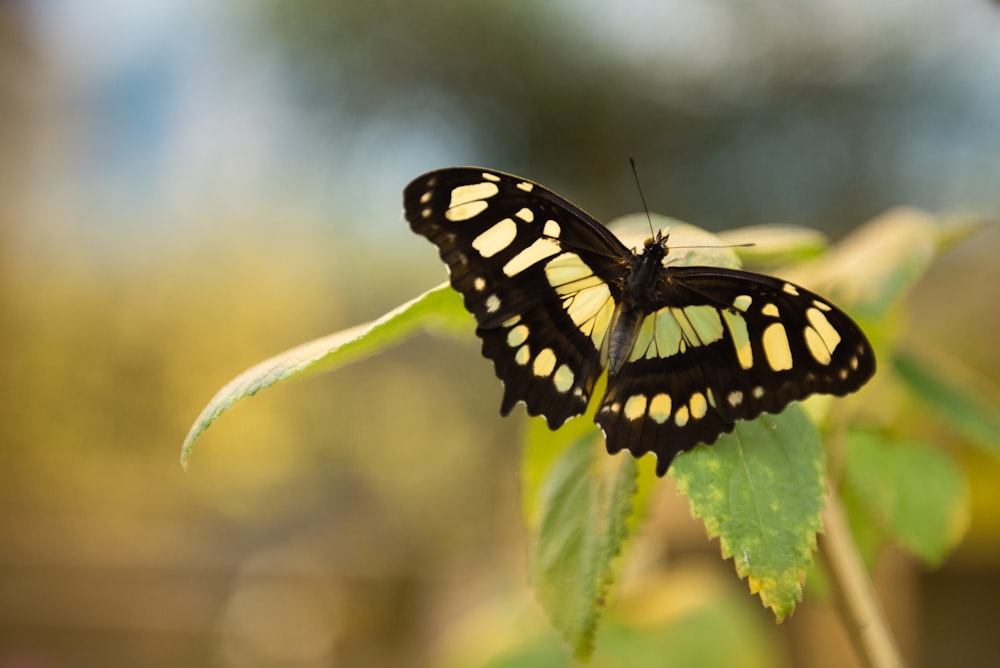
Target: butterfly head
[
  {"x": 659, "y": 240},
  {"x": 649, "y": 263}
]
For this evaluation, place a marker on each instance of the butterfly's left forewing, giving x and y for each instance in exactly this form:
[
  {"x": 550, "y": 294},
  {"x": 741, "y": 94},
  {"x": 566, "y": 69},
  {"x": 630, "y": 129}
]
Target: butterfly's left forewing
[
  {"x": 541, "y": 277},
  {"x": 719, "y": 345}
]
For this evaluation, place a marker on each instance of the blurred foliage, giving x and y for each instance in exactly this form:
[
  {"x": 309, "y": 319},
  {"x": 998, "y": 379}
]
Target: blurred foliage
[
  {"x": 704, "y": 95},
  {"x": 101, "y": 381},
  {"x": 315, "y": 530},
  {"x": 758, "y": 490}
]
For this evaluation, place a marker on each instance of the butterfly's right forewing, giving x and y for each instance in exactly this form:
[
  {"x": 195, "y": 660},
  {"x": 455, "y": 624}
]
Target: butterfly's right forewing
[{"x": 541, "y": 277}]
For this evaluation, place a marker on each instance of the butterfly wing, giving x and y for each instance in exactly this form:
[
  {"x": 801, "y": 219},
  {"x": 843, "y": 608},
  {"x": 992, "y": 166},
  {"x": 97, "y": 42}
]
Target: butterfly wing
[
  {"x": 540, "y": 276},
  {"x": 719, "y": 345}
]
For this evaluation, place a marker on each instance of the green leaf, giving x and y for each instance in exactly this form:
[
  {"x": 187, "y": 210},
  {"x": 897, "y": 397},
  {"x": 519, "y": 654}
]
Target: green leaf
[
  {"x": 578, "y": 501},
  {"x": 956, "y": 395},
  {"x": 760, "y": 490},
  {"x": 773, "y": 244},
  {"x": 869, "y": 533},
  {"x": 914, "y": 492},
  {"x": 439, "y": 309},
  {"x": 875, "y": 266},
  {"x": 956, "y": 229},
  {"x": 689, "y": 620},
  {"x": 686, "y": 616}
]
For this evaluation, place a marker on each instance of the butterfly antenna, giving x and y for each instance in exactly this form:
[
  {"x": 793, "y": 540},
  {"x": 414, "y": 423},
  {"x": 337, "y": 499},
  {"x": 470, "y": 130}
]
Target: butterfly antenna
[
  {"x": 638, "y": 186},
  {"x": 747, "y": 244}
]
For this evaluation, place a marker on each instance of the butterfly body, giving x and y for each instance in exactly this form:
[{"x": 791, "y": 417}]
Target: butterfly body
[
  {"x": 558, "y": 298},
  {"x": 639, "y": 290}
]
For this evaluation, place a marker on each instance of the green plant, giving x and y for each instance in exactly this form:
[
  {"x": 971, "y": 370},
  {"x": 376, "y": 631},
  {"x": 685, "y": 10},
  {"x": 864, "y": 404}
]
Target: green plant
[{"x": 760, "y": 490}]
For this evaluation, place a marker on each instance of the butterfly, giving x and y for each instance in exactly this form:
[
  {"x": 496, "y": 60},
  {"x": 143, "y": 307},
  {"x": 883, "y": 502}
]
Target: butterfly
[{"x": 559, "y": 299}]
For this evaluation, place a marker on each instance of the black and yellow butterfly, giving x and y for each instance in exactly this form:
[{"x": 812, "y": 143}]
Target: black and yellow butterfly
[{"x": 558, "y": 298}]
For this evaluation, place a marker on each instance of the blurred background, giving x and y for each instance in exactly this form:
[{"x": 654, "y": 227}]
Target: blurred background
[{"x": 190, "y": 186}]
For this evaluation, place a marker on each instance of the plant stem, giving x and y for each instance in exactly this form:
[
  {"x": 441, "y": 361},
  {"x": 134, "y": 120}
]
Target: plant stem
[{"x": 857, "y": 603}]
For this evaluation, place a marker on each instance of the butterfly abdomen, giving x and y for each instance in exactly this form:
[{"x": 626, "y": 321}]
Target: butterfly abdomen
[{"x": 625, "y": 327}]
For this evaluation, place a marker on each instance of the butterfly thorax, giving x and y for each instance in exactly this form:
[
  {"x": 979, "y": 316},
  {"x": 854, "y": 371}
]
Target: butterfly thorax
[
  {"x": 639, "y": 294},
  {"x": 643, "y": 280}
]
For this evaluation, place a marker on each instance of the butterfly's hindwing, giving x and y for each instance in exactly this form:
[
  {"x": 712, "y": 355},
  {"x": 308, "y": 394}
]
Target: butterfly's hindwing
[
  {"x": 539, "y": 275},
  {"x": 721, "y": 345},
  {"x": 690, "y": 350}
]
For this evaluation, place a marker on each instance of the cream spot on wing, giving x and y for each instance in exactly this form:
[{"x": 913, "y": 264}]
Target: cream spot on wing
[
  {"x": 597, "y": 326},
  {"x": 510, "y": 322},
  {"x": 854, "y": 363},
  {"x": 587, "y": 299},
  {"x": 814, "y": 342},
  {"x": 700, "y": 324},
  {"x": 466, "y": 211},
  {"x": 741, "y": 338},
  {"x": 660, "y": 335},
  {"x": 776, "y": 349},
  {"x": 681, "y": 416},
  {"x": 827, "y": 332},
  {"x": 563, "y": 378},
  {"x": 790, "y": 289},
  {"x": 568, "y": 273},
  {"x": 822, "y": 305},
  {"x": 539, "y": 250},
  {"x": 526, "y": 214},
  {"x": 659, "y": 408},
  {"x": 771, "y": 310},
  {"x": 491, "y": 177},
  {"x": 517, "y": 336},
  {"x": 479, "y": 284},
  {"x": 495, "y": 238},
  {"x": 426, "y": 197},
  {"x": 525, "y": 186},
  {"x": 587, "y": 303},
  {"x": 742, "y": 302},
  {"x": 492, "y": 304},
  {"x": 666, "y": 333},
  {"x": 698, "y": 405},
  {"x": 545, "y": 362},
  {"x": 469, "y": 201},
  {"x": 635, "y": 406},
  {"x": 711, "y": 397},
  {"x": 591, "y": 311},
  {"x": 758, "y": 392},
  {"x": 735, "y": 398},
  {"x": 641, "y": 346},
  {"x": 551, "y": 229},
  {"x": 522, "y": 355}
]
